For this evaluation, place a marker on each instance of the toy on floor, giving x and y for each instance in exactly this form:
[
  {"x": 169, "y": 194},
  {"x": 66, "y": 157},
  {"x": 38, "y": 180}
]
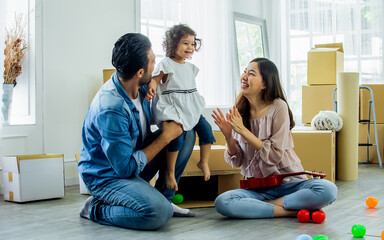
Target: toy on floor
[
  {"x": 318, "y": 216},
  {"x": 382, "y": 235},
  {"x": 320, "y": 237},
  {"x": 303, "y": 216},
  {"x": 371, "y": 202},
  {"x": 177, "y": 199},
  {"x": 304, "y": 237},
  {"x": 358, "y": 230}
]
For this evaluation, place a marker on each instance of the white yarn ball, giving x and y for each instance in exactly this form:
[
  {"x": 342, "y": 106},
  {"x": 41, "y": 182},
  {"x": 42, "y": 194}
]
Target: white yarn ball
[{"x": 327, "y": 120}]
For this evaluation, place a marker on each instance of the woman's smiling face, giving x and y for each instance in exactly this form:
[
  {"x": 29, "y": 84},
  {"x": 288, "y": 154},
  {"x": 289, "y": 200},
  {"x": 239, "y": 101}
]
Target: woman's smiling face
[{"x": 251, "y": 81}]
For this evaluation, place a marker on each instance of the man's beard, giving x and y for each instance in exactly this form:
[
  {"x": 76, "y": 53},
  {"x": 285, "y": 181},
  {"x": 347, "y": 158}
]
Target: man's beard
[{"x": 145, "y": 79}]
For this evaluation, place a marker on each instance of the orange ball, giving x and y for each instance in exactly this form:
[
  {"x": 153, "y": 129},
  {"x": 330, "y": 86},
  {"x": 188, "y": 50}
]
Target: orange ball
[
  {"x": 382, "y": 235},
  {"x": 371, "y": 202}
]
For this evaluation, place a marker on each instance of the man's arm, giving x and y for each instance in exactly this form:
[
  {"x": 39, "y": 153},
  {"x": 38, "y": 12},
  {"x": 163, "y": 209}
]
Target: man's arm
[{"x": 170, "y": 131}]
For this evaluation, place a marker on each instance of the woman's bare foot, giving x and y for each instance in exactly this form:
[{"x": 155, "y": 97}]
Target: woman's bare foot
[
  {"x": 205, "y": 168},
  {"x": 170, "y": 181}
]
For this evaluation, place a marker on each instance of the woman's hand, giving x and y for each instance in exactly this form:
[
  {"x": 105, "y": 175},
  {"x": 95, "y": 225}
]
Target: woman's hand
[
  {"x": 222, "y": 122},
  {"x": 235, "y": 120}
]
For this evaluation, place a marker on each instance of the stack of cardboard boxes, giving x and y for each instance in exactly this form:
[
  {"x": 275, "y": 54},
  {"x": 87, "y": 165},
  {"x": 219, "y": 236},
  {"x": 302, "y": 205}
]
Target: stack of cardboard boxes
[{"x": 324, "y": 62}]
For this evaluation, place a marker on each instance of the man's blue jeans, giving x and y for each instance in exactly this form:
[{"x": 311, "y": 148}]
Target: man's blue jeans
[{"x": 134, "y": 203}]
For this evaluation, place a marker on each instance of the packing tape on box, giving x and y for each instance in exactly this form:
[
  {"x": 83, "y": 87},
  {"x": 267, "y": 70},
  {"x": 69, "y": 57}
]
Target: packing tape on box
[
  {"x": 348, "y": 136},
  {"x": 11, "y": 196},
  {"x": 10, "y": 177}
]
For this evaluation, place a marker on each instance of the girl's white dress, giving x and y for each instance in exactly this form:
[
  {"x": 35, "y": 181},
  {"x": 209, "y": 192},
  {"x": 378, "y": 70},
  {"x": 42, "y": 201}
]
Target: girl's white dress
[{"x": 177, "y": 99}]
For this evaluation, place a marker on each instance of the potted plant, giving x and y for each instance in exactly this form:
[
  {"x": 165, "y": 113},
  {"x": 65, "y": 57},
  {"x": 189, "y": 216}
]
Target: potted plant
[{"x": 14, "y": 52}]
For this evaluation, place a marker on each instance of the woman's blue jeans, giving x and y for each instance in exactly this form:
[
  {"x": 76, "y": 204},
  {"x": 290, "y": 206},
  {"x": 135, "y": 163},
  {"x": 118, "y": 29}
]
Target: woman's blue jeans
[
  {"x": 299, "y": 194},
  {"x": 134, "y": 203}
]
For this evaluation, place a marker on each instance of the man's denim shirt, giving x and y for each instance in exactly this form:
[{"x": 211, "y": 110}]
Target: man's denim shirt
[{"x": 112, "y": 138}]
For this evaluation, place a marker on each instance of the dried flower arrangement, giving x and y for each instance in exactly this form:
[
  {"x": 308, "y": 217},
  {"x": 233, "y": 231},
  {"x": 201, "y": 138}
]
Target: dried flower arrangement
[{"x": 15, "y": 50}]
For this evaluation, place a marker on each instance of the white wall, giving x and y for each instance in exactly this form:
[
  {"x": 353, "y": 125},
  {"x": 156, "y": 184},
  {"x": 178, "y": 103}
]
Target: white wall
[
  {"x": 249, "y": 7},
  {"x": 78, "y": 38}
]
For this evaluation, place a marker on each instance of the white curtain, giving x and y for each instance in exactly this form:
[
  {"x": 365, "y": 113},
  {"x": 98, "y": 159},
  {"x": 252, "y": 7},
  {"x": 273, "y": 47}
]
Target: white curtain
[{"x": 212, "y": 21}]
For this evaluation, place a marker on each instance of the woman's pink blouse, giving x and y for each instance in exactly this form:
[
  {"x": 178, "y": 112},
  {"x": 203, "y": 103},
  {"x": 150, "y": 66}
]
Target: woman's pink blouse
[{"x": 276, "y": 155}]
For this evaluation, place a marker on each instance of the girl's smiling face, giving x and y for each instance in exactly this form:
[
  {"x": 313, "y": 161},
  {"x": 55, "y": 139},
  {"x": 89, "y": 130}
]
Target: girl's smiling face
[{"x": 185, "y": 47}]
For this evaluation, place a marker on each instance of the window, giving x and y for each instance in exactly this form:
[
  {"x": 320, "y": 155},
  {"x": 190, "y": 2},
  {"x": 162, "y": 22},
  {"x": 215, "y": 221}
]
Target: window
[
  {"x": 355, "y": 23},
  {"x": 251, "y": 40},
  {"x": 210, "y": 20},
  {"x": 23, "y": 103}
]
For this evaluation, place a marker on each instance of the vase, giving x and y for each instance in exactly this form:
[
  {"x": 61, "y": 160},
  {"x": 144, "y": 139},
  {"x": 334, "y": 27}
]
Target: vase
[{"x": 7, "y": 103}]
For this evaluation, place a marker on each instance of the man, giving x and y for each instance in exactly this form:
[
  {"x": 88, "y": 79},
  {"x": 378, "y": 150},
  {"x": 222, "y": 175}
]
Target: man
[{"x": 120, "y": 154}]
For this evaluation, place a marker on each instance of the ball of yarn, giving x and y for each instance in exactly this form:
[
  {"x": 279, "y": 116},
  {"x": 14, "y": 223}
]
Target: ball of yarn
[{"x": 327, "y": 120}]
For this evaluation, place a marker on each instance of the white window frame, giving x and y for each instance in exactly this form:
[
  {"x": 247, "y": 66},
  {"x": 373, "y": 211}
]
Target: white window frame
[{"x": 27, "y": 80}]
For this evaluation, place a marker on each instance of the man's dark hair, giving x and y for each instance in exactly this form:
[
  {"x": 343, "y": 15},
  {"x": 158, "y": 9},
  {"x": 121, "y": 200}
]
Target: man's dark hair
[{"x": 130, "y": 54}]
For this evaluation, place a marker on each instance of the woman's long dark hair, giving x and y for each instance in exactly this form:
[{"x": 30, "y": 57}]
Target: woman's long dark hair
[{"x": 272, "y": 90}]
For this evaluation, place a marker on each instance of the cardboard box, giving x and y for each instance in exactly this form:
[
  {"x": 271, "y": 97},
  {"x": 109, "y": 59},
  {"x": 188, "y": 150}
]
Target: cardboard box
[
  {"x": 316, "y": 150},
  {"x": 107, "y": 73},
  {"x": 316, "y": 98},
  {"x": 217, "y": 164},
  {"x": 363, "y": 133},
  {"x": 365, "y": 96},
  {"x": 223, "y": 176},
  {"x": 83, "y": 188},
  {"x": 324, "y": 62},
  {"x": 198, "y": 193},
  {"x": 33, "y": 177}
]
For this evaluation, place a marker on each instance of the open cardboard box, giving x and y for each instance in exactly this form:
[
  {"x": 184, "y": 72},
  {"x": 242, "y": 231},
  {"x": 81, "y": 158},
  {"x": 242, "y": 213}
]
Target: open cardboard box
[
  {"x": 324, "y": 62},
  {"x": 33, "y": 177}
]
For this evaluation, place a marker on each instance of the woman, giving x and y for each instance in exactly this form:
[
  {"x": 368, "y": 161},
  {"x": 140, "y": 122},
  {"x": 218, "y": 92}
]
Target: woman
[{"x": 258, "y": 135}]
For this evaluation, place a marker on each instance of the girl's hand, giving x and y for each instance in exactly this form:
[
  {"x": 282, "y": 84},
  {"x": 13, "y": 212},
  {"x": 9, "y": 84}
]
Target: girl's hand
[
  {"x": 151, "y": 89},
  {"x": 235, "y": 120},
  {"x": 222, "y": 122},
  {"x": 150, "y": 94}
]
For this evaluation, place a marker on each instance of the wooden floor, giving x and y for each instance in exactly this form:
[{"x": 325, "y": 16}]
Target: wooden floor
[{"x": 59, "y": 219}]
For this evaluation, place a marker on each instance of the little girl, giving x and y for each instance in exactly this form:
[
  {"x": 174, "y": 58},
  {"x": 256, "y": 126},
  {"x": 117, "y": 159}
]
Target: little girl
[{"x": 177, "y": 98}]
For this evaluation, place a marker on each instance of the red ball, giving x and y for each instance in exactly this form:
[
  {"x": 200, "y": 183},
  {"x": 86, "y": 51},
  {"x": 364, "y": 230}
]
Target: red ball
[
  {"x": 318, "y": 216},
  {"x": 303, "y": 216}
]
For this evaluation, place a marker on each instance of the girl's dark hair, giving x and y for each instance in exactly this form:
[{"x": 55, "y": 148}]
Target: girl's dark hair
[
  {"x": 173, "y": 36},
  {"x": 272, "y": 90},
  {"x": 130, "y": 54}
]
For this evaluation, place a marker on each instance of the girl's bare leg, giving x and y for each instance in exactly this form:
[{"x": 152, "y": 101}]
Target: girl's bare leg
[
  {"x": 170, "y": 179},
  {"x": 205, "y": 151}
]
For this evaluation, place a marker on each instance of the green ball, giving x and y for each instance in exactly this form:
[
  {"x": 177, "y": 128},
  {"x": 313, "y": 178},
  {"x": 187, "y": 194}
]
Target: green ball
[
  {"x": 320, "y": 237},
  {"x": 358, "y": 230},
  {"x": 177, "y": 199}
]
